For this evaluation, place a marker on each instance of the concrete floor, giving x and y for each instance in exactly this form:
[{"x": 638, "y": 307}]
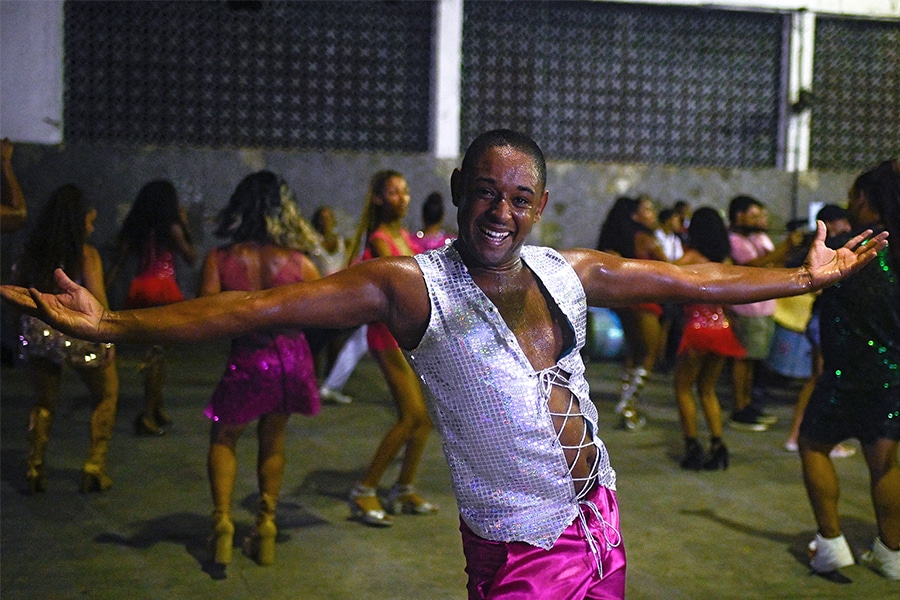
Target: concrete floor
[{"x": 740, "y": 533}]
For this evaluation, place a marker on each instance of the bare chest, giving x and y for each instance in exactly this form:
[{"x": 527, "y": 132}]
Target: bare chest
[{"x": 535, "y": 319}]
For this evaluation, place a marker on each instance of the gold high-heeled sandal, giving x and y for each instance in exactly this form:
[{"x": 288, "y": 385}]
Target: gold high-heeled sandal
[
  {"x": 375, "y": 517},
  {"x": 404, "y": 499},
  {"x": 36, "y": 478}
]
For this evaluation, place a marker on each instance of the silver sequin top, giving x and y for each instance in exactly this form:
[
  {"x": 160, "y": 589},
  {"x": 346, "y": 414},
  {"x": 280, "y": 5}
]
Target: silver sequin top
[{"x": 509, "y": 470}]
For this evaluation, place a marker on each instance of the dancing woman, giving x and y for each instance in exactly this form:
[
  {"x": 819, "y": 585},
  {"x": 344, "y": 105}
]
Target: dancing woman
[
  {"x": 60, "y": 239},
  {"x": 857, "y": 393},
  {"x": 382, "y": 227},
  {"x": 156, "y": 230},
  {"x": 269, "y": 375},
  {"x": 628, "y": 232},
  {"x": 707, "y": 340}
]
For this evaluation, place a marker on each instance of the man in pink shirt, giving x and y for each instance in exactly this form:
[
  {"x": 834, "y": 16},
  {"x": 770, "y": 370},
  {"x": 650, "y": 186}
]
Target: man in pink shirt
[{"x": 753, "y": 324}]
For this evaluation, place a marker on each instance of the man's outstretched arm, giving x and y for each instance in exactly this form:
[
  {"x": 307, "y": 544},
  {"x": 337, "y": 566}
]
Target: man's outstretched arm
[
  {"x": 613, "y": 281},
  {"x": 378, "y": 290}
]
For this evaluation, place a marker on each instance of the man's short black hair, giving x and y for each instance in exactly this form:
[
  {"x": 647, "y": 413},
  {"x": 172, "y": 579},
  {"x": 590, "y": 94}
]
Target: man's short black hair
[
  {"x": 505, "y": 137},
  {"x": 741, "y": 204}
]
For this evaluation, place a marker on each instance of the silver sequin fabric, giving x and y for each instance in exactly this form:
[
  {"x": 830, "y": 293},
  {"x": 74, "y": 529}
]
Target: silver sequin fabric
[{"x": 509, "y": 471}]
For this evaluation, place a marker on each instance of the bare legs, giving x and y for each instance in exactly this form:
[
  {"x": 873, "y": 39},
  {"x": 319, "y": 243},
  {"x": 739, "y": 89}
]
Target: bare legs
[
  {"x": 742, "y": 371},
  {"x": 884, "y": 474},
  {"x": 103, "y": 384},
  {"x": 823, "y": 488},
  {"x": 222, "y": 472},
  {"x": 805, "y": 394},
  {"x": 703, "y": 370},
  {"x": 45, "y": 377},
  {"x": 151, "y": 421},
  {"x": 410, "y": 432},
  {"x": 642, "y": 337},
  {"x": 222, "y": 459}
]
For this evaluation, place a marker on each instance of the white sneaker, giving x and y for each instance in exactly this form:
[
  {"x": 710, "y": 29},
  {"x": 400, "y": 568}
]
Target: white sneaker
[
  {"x": 827, "y": 555},
  {"x": 330, "y": 395},
  {"x": 839, "y": 451},
  {"x": 883, "y": 560},
  {"x": 842, "y": 451}
]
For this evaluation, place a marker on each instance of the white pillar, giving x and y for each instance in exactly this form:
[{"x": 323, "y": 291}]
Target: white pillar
[
  {"x": 800, "y": 79},
  {"x": 447, "y": 79}
]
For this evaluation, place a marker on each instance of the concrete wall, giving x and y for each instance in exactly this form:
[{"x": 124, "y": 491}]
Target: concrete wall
[{"x": 580, "y": 193}]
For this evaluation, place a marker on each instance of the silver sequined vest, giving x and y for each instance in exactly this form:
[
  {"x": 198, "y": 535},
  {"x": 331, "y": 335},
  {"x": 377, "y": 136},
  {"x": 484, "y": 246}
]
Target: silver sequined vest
[{"x": 490, "y": 406}]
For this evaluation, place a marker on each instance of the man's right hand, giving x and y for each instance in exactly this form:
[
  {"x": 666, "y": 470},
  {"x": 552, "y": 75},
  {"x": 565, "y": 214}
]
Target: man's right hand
[{"x": 74, "y": 310}]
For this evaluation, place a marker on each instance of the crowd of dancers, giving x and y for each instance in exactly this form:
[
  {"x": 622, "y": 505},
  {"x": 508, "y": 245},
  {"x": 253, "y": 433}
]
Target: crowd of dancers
[
  {"x": 269, "y": 376},
  {"x": 675, "y": 280}
]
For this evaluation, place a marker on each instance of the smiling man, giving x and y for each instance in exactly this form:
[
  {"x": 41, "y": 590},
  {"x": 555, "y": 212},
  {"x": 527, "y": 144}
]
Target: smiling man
[{"x": 494, "y": 328}]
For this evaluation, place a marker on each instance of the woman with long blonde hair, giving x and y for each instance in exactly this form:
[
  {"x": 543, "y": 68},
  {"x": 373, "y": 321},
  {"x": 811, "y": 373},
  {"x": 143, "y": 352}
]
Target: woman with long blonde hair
[{"x": 269, "y": 375}]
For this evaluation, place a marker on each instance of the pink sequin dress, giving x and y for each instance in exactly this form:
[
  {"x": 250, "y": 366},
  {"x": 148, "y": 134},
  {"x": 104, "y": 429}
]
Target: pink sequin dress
[{"x": 266, "y": 372}]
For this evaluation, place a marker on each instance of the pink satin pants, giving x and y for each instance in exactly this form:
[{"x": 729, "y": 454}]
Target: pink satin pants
[{"x": 568, "y": 571}]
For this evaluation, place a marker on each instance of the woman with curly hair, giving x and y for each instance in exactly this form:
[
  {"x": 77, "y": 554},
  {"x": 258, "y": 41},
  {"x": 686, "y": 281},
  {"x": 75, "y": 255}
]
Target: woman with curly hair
[
  {"x": 707, "y": 341},
  {"x": 628, "y": 231},
  {"x": 858, "y": 393},
  {"x": 270, "y": 375}
]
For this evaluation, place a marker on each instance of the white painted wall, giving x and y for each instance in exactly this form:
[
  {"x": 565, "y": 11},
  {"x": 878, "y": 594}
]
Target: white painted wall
[{"x": 31, "y": 70}]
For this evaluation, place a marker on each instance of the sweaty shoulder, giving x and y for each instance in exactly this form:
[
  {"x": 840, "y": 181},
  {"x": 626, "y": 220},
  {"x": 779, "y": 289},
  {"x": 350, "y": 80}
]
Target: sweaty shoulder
[
  {"x": 403, "y": 286},
  {"x": 581, "y": 258},
  {"x": 400, "y": 274},
  {"x": 595, "y": 269}
]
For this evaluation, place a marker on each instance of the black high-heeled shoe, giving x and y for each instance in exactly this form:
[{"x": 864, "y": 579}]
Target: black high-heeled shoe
[
  {"x": 718, "y": 458},
  {"x": 142, "y": 427},
  {"x": 694, "y": 457}
]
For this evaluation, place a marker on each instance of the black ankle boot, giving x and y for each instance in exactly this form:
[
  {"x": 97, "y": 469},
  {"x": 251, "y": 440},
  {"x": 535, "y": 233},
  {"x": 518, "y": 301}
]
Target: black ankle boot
[
  {"x": 718, "y": 457},
  {"x": 694, "y": 457}
]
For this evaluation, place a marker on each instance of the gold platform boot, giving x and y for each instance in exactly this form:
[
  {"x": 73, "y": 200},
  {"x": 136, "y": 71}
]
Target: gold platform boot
[
  {"x": 222, "y": 538},
  {"x": 94, "y": 477},
  {"x": 631, "y": 419},
  {"x": 260, "y": 544},
  {"x": 38, "y": 437}
]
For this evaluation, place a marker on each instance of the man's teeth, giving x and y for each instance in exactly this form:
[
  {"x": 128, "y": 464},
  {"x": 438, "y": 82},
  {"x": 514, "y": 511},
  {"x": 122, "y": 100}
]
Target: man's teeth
[{"x": 496, "y": 235}]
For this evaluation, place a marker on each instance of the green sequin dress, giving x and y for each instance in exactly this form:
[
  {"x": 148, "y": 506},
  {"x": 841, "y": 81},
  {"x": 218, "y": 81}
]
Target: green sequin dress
[{"x": 858, "y": 393}]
